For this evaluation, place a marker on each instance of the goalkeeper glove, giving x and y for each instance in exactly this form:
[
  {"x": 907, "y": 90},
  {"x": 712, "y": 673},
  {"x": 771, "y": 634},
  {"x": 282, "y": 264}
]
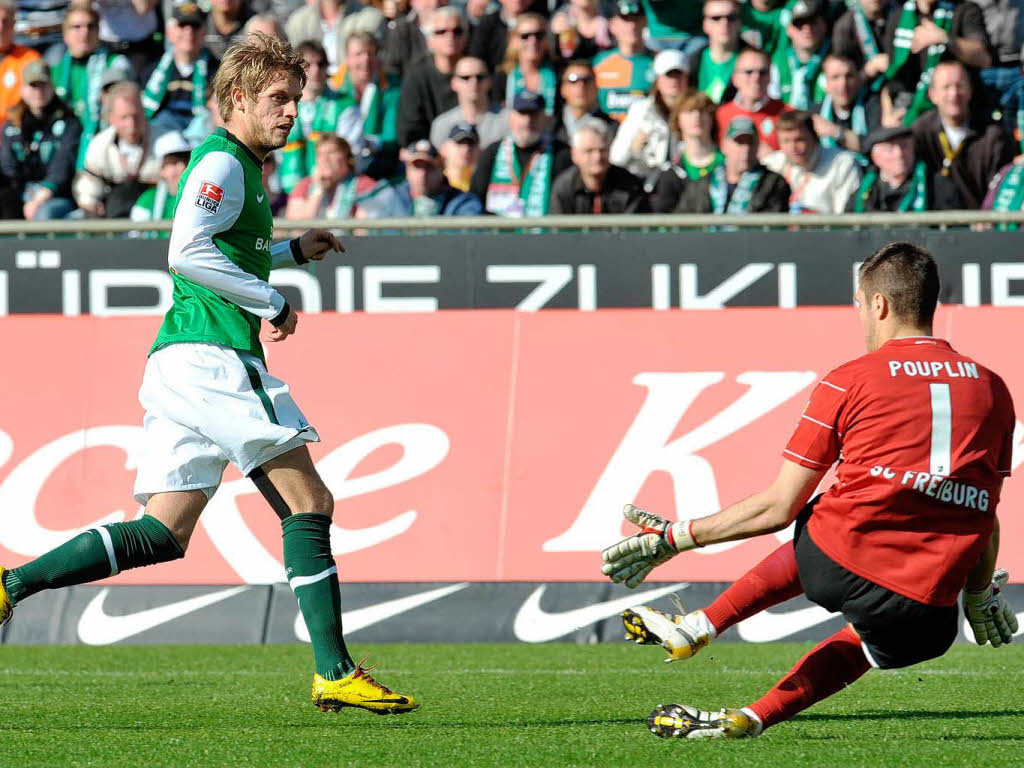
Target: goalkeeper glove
[
  {"x": 659, "y": 541},
  {"x": 991, "y": 618}
]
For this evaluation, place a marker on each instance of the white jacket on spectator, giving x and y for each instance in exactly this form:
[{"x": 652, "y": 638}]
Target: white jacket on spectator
[
  {"x": 643, "y": 117},
  {"x": 108, "y": 162},
  {"x": 826, "y": 188}
]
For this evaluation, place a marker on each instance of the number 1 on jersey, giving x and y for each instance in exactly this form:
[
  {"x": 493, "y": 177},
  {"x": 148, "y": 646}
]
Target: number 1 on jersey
[{"x": 942, "y": 430}]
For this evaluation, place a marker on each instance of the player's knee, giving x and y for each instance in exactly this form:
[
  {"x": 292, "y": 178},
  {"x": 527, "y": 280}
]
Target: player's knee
[{"x": 321, "y": 501}]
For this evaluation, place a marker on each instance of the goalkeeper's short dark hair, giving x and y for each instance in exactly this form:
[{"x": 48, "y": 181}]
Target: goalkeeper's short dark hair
[{"x": 907, "y": 275}]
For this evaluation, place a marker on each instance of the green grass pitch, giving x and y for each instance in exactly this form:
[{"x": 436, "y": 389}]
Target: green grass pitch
[{"x": 510, "y": 705}]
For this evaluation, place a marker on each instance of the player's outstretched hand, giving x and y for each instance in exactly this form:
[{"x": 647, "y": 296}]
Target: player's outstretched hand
[
  {"x": 317, "y": 243},
  {"x": 630, "y": 560},
  {"x": 990, "y": 615},
  {"x": 284, "y": 330}
]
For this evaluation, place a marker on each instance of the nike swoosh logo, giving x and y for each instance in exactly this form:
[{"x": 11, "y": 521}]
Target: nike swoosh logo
[
  {"x": 96, "y": 627},
  {"x": 535, "y": 625},
  {"x": 361, "y": 618},
  {"x": 259, "y": 198},
  {"x": 399, "y": 700},
  {"x": 766, "y": 627}
]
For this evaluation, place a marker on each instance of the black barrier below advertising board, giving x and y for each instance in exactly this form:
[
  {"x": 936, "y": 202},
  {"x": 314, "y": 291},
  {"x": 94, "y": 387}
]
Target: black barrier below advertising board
[
  {"x": 495, "y": 612},
  {"x": 527, "y": 272}
]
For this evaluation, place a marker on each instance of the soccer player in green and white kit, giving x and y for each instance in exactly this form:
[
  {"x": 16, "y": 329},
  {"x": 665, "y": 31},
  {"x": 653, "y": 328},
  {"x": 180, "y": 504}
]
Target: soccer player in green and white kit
[{"x": 207, "y": 393}]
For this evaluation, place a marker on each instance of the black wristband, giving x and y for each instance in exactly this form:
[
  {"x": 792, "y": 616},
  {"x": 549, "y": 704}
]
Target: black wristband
[
  {"x": 297, "y": 251},
  {"x": 278, "y": 320}
]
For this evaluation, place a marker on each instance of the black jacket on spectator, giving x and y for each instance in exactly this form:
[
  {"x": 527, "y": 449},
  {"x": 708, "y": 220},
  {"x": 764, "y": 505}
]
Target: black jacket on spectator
[
  {"x": 426, "y": 93},
  {"x": 482, "y": 175},
  {"x": 403, "y": 43},
  {"x": 674, "y": 194},
  {"x": 872, "y": 115},
  {"x": 882, "y": 198},
  {"x": 981, "y": 155},
  {"x": 561, "y": 133},
  {"x": 846, "y": 41},
  {"x": 622, "y": 192},
  {"x": 693, "y": 63},
  {"x": 490, "y": 38},
  {"x": 40, "y": 149}
]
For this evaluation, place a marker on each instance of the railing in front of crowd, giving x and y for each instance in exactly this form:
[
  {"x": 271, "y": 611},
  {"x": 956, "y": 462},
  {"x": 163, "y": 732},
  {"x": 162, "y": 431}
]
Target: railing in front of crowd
[{"x": 550, "y": 224}]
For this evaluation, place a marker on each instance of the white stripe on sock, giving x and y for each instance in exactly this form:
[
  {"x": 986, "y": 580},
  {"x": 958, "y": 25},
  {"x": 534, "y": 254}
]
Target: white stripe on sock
[
  {"x": 109, "y": 545},
  {"x": 302, "y": 581}
]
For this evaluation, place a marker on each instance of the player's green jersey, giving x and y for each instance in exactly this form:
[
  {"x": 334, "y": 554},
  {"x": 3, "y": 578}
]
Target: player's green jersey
[{"x": 220, "y": 250}]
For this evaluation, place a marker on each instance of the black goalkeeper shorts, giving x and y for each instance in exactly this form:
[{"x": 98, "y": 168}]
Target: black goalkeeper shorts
[{"x": 896, "y": 631}]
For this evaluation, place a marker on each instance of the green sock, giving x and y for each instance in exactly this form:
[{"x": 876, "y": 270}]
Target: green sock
[
  {"x": 94, "y": 554},
  {"x": 313, "y": 577}
]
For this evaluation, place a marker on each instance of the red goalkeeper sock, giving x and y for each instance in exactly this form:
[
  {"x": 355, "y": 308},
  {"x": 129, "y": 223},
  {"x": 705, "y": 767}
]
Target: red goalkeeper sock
[
  {"x": 829, "y": 667},
  {"x": 772, "y": 581}
]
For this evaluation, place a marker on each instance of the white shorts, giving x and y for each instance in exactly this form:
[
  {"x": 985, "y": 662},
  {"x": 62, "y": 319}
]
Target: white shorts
[{"x": 205, "y": 406}]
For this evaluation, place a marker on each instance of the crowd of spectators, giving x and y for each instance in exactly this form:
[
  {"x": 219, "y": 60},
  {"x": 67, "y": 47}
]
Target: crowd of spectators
[{"x": 527, "y": 107}]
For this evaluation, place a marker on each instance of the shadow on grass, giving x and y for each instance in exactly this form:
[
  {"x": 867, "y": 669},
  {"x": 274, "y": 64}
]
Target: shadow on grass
[
  {"x": 397, "y": 724},
  {"x": 896, "y": 714}
]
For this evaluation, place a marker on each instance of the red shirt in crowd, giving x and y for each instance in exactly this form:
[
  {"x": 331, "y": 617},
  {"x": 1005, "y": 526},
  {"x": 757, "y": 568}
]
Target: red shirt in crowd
[
  {"x": 924, "y": 437},
  {"x": 766, "y": 119}
]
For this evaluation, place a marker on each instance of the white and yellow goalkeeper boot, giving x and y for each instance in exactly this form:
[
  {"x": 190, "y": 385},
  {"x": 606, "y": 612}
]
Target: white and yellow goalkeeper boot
[
  {"x": 682, "y": 634},
  {"x": 681, "y": 721}
]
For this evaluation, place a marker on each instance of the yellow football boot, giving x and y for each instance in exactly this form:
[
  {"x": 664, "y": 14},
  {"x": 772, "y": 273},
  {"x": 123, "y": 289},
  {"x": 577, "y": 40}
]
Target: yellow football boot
[
  {"x": 6, "y": 606},
  {"x": 362, "y": 691}
]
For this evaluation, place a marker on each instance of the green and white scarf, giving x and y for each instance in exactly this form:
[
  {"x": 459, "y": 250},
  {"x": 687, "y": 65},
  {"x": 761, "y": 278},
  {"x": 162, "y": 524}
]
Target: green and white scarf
[
  {"x": 156, "y": 88},
  {"x": 862, "y": 26},
  {"x": 344, "y": 198},
  {"x": 548, "y": 87},
  {"x": 858, "y": 118},
  {"x": 1010, "y": 194},
  {"x": 797, "y": 80},
  {"x": 514, "y": 192},
  {"x": 739, "y": 203},
  {"x": 915, "y": 200},
  {"x": 908, "y": 21}
]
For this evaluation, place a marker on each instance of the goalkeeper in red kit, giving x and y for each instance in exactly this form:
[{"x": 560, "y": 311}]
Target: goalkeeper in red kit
[{"x": 923, "y": 439}]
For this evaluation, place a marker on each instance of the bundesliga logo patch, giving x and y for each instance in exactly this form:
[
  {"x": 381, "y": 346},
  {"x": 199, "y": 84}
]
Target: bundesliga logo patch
[{"x": 210, "y": 196}]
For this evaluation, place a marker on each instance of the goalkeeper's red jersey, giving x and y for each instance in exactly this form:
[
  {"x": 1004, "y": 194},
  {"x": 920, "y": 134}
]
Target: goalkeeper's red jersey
[{"x": 924, "y": 437}]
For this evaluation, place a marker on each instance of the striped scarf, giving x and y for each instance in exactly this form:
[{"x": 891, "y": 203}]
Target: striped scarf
[{"x": 156, "y": 88}]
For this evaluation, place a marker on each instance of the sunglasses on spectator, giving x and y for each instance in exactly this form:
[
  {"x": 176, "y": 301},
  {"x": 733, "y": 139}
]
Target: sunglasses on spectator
[
  {"x": 319, "y": 63},
  {"x": 457, "y": 31},
  {"x": 731, "y": 17},
  {"x": 88, "y": 25},
  {"x": 538, "y": 35},
  {"x": 576, "y": 78},
  {"x": 477, "y": 76},
  {"x": 758, "y": 72}
]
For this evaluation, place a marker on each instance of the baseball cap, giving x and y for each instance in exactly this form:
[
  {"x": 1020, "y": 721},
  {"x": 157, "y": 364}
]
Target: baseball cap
[
  {"x": 189, "y": 13},
  {"x": 628, "y": 8},
  {"x": 116, "y": 73},
  {"x": 805, "y": 10},
  {"x": 36, "y": 71},
  {"x": 740, "y": 126},
  {"x": 668, "y": 60},
  {"x": 528, "y": 101},
  {"x": 171, "y": 143},
  {"x": 419, "y": 150},
  {"x": 881, "y": 135},
  {"x": 463, "y": 131}
]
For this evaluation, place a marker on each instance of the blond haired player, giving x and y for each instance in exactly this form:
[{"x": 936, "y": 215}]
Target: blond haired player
[{"x": 208, "y": 396}]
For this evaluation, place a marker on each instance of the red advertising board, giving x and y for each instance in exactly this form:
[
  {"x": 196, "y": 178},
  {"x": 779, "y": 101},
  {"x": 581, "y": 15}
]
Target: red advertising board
[{"x": 460, "y": 446}]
